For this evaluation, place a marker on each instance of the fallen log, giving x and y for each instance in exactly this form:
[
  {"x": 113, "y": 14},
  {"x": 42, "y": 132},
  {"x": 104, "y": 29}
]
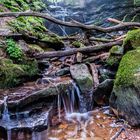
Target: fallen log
[
  {"x": 73, "y": 23},
  {"x": 103, "y": 56},
  {"x": 90, "y": 49}
]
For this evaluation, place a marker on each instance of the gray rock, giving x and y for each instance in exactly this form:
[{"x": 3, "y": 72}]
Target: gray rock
[
  {"x": 103, "y": 91},
  {"x": 53, "y": 90},
  {"x": 23, "y": 45},
  {"x": 82, "y": 76},
  {"x": 84, "y": 80},
  {"x": 62, "y": 72}
]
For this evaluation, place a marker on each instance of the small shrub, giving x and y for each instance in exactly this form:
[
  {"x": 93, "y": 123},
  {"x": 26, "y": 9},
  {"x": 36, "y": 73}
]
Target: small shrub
[{"x": 13, "y": 50}]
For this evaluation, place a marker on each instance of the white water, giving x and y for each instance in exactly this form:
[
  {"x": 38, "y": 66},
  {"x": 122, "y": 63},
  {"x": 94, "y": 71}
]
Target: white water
[
  {"x": 6, "y": 118},
  {"x": 5, "y": 115},
  {"x": 72, "y": 113}
]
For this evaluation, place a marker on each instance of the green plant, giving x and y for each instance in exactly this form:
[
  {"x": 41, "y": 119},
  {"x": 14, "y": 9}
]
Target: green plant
[{"x": 13, "y": 50}]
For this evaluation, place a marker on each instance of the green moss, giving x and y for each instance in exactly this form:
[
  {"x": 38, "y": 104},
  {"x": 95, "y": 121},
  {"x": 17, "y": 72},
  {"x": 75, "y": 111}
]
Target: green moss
[
  {"x": 13, "y": 74},
  {"x": 14, "y": 50},
  {"x": 78, "y": 44},
  {"x": 35, "y": 48},
  {"x": 132, "y": 39},
  {"x": 23, "y": 5},
  {"x": 129, "y": 66},
  {"x": 86, "y": 81},
  {"x": 118, "y": 50},
  {"x": 113, "y": 60},
  {"x": 35, "y": 27}
]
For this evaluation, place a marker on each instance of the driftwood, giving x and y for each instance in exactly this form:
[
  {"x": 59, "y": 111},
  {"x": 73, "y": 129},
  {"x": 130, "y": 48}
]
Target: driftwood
[
  {"x": 90, "y": 49},
  {"x": 73, "y": 23},
  {"x": 95, "y": 76},
  {"x": 103, "y": 56}
]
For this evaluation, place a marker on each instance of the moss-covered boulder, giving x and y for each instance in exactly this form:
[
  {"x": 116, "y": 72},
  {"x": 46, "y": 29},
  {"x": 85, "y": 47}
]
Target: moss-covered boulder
[
  {"x": 13, "y": 74},
  {"x": 125, "y": 98},
  {"x": 132, "y": 40}
]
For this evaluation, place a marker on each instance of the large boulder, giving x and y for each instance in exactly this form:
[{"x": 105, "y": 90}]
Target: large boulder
[
  {"x": 125, "y": 98},
  {"x": 84, "y": 80}
]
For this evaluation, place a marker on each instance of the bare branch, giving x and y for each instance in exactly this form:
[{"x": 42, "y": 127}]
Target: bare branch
[{"x": 76, "y": 24}]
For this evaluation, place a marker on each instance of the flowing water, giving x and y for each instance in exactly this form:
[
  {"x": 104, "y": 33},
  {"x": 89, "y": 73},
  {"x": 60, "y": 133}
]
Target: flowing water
[
  {"x": 71, "y": 108},
  {"x": 89, "y": 12}
]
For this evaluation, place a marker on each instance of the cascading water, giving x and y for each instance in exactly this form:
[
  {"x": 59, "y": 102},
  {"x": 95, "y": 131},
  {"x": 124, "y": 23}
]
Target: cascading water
[
  {"x": 6, "y": 118},
  {"x": 89, "y": 12},
  {"x": 72, "y": 107},
  {"x": 5, "y": 115}
]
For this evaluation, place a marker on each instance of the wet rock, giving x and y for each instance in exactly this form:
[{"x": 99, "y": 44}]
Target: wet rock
[
  {"x": 3, "y": 133},
  {"x": 52, "y": 90},
  {"x": 106, "y": 74},
  {"x": 43, "y": 64},
  {"x": 125, "y": 98},
  {"x": 103, "y": 91},
  {"x": 63, "y": 71},
  {"x": 35, "y": 122},
  {"x": 83, "y": 78}
]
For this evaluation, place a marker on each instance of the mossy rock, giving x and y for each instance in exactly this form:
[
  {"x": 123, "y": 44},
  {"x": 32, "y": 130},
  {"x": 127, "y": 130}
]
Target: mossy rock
[
  {"x": 33, "y": 26},
  {"x": 125, "y": 98},
  {"x": 113, "y": 61},
  {"x": 116, "y": 50},
  {"x": 82, "y": 76},
  {"x": 132, "y": 40},
  {"x": 115, "y": 56},
  {"x": 35, "y": 48},
  {"x": 78, "y": 44},
  {"x": 129, "y": 66},
  {"x": 14, "y": 74},
  {"x": 80, "y": 73}
]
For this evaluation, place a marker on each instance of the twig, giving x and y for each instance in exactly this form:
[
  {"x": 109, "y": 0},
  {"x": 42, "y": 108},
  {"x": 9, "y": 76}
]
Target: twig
[{"x": 118, "y": 134}]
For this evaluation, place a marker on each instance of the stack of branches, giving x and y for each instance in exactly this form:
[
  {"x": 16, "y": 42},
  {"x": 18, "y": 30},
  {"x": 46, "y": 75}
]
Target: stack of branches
[{"x": 88, "y": 31}]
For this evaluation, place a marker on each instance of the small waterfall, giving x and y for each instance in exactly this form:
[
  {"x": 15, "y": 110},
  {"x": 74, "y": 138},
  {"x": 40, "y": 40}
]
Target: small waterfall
[
  {"x": 72, "y": 101},
  {"x": 5, "y": 115},
  {"x": 59, "y": 107},
  {"x": 6, "y": 118},
  {"x": 73, "y": 105}
]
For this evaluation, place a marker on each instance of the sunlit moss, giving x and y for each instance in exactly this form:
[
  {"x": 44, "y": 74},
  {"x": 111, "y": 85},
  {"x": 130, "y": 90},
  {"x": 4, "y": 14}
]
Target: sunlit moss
[
  {"x": 129, "y": 66},
  {"x": 13, "y": 74},
  {"x": 132, "y": 39}
]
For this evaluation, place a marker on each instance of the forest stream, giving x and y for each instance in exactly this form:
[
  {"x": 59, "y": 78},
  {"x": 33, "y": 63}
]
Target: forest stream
[{"x": 54, "y": 87}]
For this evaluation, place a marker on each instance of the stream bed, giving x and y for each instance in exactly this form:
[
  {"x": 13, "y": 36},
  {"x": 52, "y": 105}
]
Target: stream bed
[{"x": 53, "y": 107}]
